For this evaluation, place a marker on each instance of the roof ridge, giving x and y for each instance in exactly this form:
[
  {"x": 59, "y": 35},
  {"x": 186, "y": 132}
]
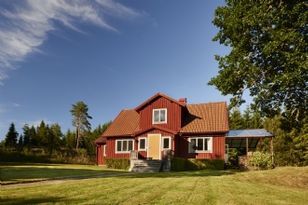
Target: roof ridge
[{"x": 206, "y": 103}]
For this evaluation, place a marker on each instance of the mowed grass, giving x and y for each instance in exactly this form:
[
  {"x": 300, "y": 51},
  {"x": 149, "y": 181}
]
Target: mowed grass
[
  {"x": 13, "y": 173},
  {"x": 287, "y": 185}
]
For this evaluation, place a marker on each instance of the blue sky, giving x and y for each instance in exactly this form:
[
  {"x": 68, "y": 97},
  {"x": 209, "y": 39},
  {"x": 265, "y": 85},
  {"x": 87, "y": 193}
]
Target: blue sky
[{"x": 110, "y": 54}]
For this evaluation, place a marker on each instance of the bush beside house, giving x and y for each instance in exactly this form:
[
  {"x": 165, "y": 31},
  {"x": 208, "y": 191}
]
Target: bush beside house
[{"x": 180, "y": 164}]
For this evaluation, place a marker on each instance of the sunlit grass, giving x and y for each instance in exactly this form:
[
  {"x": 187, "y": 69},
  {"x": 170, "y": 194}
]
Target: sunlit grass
[{"x": 287, "y": 185}]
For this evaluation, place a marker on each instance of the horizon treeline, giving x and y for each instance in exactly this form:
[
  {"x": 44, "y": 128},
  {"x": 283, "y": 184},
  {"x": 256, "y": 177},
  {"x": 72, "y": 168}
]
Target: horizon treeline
[{"x": 50, "y": 138}]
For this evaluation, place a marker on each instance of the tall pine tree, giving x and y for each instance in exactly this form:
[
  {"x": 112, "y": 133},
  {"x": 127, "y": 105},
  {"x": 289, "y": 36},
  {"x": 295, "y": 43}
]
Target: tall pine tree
[{"x": 11, "y": 137}]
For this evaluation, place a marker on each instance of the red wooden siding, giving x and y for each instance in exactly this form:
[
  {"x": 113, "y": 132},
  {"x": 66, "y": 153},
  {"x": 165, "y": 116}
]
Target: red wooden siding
[
  {"x": 99, "y": 154},
  {"x": 173, "y": 114},
  {"x": 217, "y": 152}
]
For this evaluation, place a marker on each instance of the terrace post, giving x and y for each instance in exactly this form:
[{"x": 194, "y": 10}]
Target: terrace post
[
  {"x": 247, "y": 147},
  {"x": 272, "y": 150}
]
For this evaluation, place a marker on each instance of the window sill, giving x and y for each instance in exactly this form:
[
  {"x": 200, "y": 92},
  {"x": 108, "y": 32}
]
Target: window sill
[
  {"x": 201, "y": 152},
  {"x": 124, "y": 152}
]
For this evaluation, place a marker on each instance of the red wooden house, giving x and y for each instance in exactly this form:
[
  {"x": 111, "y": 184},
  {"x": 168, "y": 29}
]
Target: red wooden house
[{"x": 162, "y": 123}]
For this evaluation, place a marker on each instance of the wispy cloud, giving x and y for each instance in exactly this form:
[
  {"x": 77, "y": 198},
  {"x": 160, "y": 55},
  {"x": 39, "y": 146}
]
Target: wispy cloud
[{"x": 25, "y": 26}]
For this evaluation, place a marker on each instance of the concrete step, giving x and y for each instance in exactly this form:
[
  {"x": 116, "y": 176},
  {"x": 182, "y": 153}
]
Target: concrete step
[{"x": 146, "y": 166}]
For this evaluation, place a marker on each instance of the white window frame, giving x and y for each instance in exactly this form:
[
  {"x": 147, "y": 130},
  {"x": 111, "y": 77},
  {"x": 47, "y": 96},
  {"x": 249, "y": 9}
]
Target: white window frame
[
  {"x": 104, "y": 147},
  {"x": 209, "y": 144},
  {"x": 145, "y": 144},
  {"x": 122, "y": 152},
  {"x": 153, "y": 117},
  {"x": 162, "y": 142}
]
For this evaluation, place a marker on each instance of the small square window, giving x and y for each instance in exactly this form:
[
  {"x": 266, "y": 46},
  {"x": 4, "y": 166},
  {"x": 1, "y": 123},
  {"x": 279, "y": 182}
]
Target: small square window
[{"x": 159, "y": 116}]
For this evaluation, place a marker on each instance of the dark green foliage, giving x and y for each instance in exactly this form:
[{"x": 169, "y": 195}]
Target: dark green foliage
[
  {"x": 181, "y": 164},
  {"x": 251, "y": 119},
  {"x": 268, "y": 41},
  {"x": 118, "y": 163},
  {"x": 178, "y": 164},
  {"x": 235, "y": 119},
  {"x": 290, "y": 144},
  {"x": 233, "y": 162},
  {"x": 11, "y": 137}
]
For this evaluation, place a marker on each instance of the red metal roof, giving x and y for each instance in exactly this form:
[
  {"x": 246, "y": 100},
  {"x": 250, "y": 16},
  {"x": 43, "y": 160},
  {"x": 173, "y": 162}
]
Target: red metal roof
[
  {"x": 199, "y": 118},
  {"x": 125, "y": 124},
  {"x": 101, "y": 140},
  {"x": 206, "y": 118}
]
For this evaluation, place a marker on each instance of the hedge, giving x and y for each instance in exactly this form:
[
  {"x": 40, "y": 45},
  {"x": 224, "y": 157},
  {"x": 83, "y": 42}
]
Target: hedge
[
  {"x": 59, "y": 156},
  {"x": 118, "y": 163},
  {"x": 181, "y": 164}
]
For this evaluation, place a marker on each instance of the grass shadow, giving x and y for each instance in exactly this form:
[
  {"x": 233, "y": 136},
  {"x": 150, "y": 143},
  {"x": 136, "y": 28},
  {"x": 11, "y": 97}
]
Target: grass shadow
[
  {"x": 36, "y": 200},
  {"x": 19, "y": 174},
  {"x": 199, "y": 173}
]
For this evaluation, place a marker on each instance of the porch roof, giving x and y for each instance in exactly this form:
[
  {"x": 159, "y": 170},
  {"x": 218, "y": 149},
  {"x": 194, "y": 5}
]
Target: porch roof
[
  {"x": 247, "y": 138},
  {"x": 258, "y": 133}
]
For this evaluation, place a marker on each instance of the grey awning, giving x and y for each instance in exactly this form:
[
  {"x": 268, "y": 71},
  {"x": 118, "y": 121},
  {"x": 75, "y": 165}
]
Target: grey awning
[
  {"x": 259, "y": 133},
  {"x": 237, "y": 138}
]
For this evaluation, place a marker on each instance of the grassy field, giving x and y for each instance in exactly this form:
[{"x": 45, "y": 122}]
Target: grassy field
[
  {"x": 12, "y": 173},
  {"x": 288, "y": 185}
]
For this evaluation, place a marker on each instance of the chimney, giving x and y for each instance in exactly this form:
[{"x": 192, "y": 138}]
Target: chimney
[{"x": 183, "y": 101}]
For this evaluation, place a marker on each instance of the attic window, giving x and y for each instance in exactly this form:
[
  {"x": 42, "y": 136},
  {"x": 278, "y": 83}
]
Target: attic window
[{"x": 159, "y": 116}]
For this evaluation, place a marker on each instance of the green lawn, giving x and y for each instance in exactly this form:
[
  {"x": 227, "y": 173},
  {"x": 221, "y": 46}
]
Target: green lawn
[
  {"x": 288, "y": 185},
  {"x": 37, "y": 172}
]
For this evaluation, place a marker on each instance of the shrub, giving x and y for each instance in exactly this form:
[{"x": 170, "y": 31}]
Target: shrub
[
  {"x": 233, "y": 161},
  {"x": 180, "y": 164},
  {"x": 260, "y": 160},
  {"x": 118, "y": 163}
]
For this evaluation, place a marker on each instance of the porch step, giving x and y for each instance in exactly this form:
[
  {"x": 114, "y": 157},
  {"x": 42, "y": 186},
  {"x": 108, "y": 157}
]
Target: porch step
[{"x": 145, "y": 165}]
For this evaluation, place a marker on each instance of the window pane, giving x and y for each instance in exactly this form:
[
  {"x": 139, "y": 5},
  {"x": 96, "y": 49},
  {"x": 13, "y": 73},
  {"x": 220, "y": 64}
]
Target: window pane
[
  {"x": 142, "y": 143},
  {"x": 192, "y": 145},
  {"x": 166, "y": 143},
  {"x": 162, "y": 115},
  {"x": 119, "y": 146},
  {"x": 124, "y": 145},
  {"x": 156, "y": 115},
  {"x": 130, "y": 145},
  {"x": 206, "y": 144},
  {"x": 200, "y": 144}
]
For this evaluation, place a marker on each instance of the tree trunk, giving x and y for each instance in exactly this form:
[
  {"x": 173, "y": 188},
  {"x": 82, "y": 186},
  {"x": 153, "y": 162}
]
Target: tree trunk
[{"x": 77, "y": 138}]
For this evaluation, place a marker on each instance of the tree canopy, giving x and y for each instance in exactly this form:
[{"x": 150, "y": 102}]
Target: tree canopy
[{"x": 268, "y": 57}]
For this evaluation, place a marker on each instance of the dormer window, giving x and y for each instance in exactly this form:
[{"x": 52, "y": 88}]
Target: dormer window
[{"x": 159, "y": 116}]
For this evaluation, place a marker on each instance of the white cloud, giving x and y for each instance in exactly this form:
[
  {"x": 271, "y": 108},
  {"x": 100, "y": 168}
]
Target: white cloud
[{"x": 25, "y": 27}]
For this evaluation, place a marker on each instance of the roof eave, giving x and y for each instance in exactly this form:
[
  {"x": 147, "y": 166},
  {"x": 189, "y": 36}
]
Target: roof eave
[{"x": 142, "y": 105}]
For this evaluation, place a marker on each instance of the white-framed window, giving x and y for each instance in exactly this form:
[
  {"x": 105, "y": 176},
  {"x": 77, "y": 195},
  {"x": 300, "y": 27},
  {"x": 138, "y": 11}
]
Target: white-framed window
[
  {"x": 200, "y": 145},
  {"x": 166, "y": 143},
  {"x": 104, "y": 147},
  {"x": 159, "y": 116},
  {"x": 124, "y": 145},
  {"x": 142, "y": 144}
]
